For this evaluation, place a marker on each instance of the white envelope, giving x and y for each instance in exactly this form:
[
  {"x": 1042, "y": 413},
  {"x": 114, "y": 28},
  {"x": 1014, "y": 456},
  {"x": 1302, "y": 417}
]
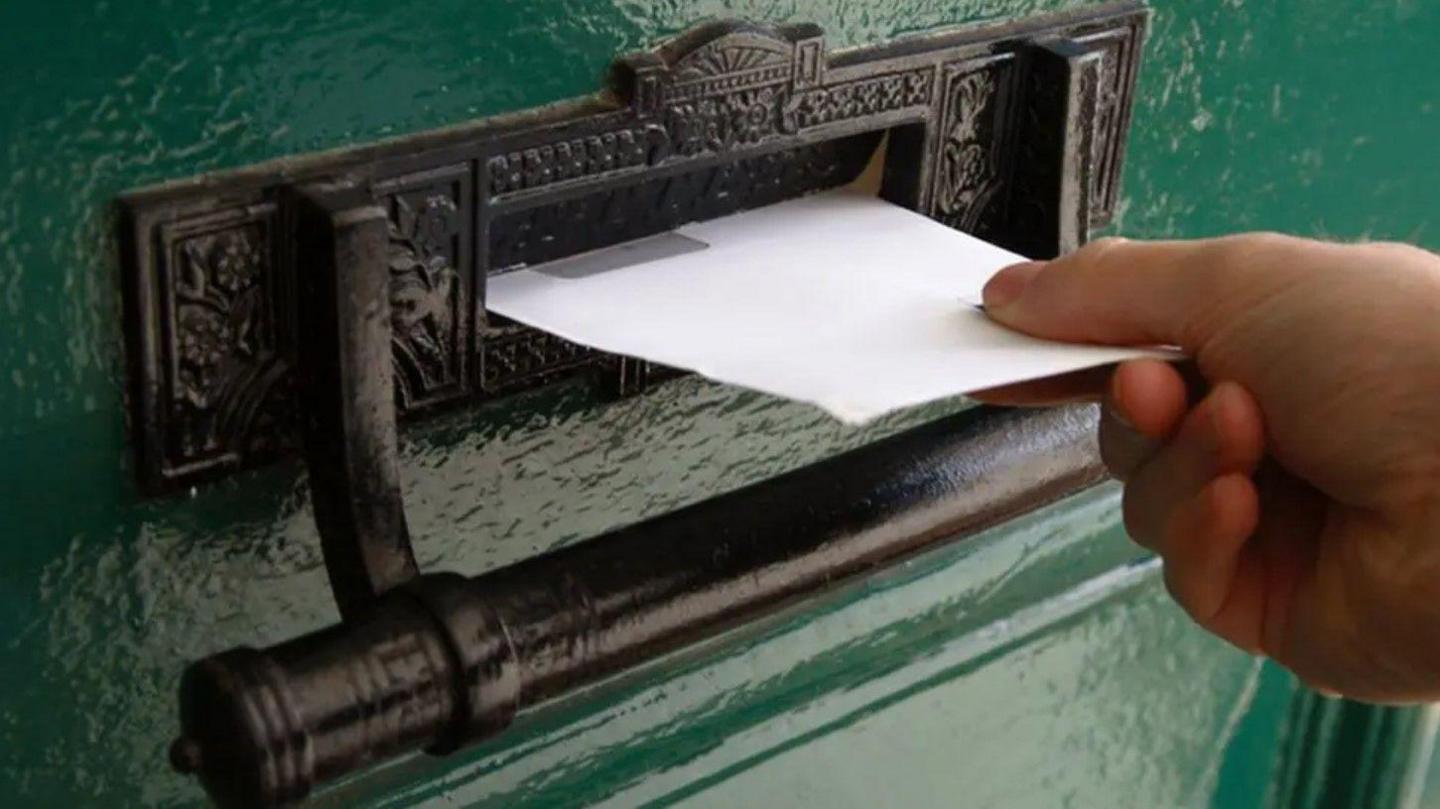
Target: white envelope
[{"x": 839, "y": 299}]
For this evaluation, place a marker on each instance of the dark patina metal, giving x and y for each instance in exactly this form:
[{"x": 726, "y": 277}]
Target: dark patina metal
[
  {"x": 1015, "y": 132},
  {"x": 444, "y": 660},
  {"x": 350, "y": 288}
]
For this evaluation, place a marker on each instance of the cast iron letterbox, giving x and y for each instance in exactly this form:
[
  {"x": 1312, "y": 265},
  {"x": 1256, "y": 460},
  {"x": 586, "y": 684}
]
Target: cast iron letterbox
[{"x": 312, "y": 302}]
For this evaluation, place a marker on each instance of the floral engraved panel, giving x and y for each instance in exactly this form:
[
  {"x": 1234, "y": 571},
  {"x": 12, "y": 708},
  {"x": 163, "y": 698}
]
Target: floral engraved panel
[
  {"x": 721, "y": 123},
  {"x": 730, "y": 94},
  {"x": 429, "y": 292},
  {"x": 969, "y": 173},
  {"x": 859, "y": 98},
  {"x": 227, "y": 393}
]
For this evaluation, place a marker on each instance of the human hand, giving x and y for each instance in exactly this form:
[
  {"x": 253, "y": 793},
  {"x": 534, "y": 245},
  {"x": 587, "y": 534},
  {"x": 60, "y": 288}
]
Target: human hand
[{"x": 1297, "y": 505}]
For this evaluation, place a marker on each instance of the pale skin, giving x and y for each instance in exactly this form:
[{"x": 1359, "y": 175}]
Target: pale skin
[{"x": 1289, "y": 479}]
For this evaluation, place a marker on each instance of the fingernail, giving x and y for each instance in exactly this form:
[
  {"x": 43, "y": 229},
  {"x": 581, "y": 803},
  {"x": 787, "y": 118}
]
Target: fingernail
[{"x": 1006, "y": 286}]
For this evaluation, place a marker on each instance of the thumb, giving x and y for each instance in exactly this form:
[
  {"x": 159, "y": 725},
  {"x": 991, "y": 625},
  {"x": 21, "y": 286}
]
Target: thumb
[{"x": 1119, "y": 292}]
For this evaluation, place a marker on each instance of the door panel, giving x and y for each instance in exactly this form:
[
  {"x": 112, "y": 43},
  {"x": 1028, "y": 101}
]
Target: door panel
[{"x": 1037, "y": 665}]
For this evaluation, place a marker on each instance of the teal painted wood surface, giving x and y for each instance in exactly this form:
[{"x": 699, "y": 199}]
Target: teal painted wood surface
[{"x": 1038, "y": 667}]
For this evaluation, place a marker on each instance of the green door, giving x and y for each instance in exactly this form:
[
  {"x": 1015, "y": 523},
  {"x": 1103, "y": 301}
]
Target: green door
[{"x": 1039, "y": 665}]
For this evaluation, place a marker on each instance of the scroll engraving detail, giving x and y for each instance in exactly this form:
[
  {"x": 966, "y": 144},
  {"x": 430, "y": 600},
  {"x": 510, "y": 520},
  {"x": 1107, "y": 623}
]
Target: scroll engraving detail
[
  {"x": 423, "y": 289},
  {"x": 429, "y": 290},
  {"x": 969, "y": 174}
]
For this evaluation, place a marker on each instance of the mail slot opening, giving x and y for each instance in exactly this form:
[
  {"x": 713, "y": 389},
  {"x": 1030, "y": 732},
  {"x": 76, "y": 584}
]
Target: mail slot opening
[{"x": 526, "y": 235}]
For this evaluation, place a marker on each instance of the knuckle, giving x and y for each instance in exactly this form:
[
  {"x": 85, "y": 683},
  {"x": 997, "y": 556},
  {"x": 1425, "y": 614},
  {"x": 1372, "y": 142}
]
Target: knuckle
[
  {"x": 1271, "y": 240},
  {"x": 1098, "y": 251},
  {"x": 1106, "y": 243},
  {"x": 1221, "y": 274},
  {"x": 1407, "y": 252},
  {"x": 1242, "y": 252}
]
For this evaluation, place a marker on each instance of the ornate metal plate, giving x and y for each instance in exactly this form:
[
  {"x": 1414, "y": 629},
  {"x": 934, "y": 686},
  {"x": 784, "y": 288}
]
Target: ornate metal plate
[{"x": 727, "y": 117}]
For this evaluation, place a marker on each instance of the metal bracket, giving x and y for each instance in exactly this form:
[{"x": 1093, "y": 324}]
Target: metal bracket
[
  {"x": 380, "y": 255},
  {"x": 348, "y": 392},
  {"x": 1015, "y": 132}
]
